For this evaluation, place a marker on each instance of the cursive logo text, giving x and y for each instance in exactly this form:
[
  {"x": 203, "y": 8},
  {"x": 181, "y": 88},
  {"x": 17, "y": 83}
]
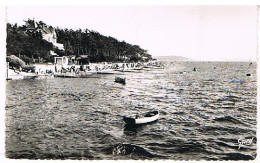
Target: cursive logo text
[{"x": 244, "y": 142}]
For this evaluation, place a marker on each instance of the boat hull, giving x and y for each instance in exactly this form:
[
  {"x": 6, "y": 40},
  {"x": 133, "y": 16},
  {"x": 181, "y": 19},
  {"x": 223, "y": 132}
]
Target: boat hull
[
  {"x": 141, "y": 121},
  {"x": 30, "y": 77},
  {"x": 128, "y": 120},
  {"x": 147, "y": 119},
  {"x": 120, "y": 80}
]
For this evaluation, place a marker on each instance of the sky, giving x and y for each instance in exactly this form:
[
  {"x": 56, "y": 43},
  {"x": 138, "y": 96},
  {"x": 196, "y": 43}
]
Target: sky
[{"x": 206, "y": 33}]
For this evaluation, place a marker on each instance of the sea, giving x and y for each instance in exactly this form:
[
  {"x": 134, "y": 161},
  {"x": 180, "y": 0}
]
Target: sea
[{"x": 207, "y": 114}]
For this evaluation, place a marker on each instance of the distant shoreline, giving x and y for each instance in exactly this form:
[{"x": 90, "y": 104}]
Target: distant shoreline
[{"x": 184, "y": 59}]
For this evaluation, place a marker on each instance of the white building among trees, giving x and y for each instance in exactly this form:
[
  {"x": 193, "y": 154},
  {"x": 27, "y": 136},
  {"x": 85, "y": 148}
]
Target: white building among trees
[{"x": 48, "y": 32}]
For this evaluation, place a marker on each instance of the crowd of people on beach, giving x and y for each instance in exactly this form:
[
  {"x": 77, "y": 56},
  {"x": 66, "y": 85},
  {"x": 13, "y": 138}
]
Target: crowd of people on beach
[{"x": 54, "y": 70}]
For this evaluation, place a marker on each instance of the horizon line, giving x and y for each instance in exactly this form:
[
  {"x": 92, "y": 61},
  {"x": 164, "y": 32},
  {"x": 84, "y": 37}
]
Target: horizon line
[{"x": 210, "y": 60}]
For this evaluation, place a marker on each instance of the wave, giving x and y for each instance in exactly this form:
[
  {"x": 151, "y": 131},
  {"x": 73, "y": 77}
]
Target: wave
[
  {"x": 226, "y": 145},
  {"x": 237, "y": 156},
  {"x": 123, "y": 149},
  {"x": 218, "y": 130},
  {"x": 228, "y": 119},
  {"x": 33, "y": 155},
  {"x": 191, "y": 146},
  {"x": 25, "y": 154},
  {"x": 231, "y": 98}
]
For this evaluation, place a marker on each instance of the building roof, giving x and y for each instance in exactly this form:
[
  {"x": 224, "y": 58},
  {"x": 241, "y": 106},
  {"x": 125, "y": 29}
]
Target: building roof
[
  {"x": 30, "y": 24},
  {"x": 82, "y": 57}
]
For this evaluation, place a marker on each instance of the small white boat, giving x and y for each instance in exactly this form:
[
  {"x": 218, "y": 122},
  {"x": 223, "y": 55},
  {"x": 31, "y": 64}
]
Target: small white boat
[
  {"x": 106, "y": 71},
  {"x": 65, "y": 75},
  {"x": 90, "y": 72},
  {"x": 30, "y": 75},
  {"x": 147, "y": 118},
  {"x": 146, "y": 69},
  {"x": 125, "y": 70},
  {"x": 158, "y": 67},
  {"x": 45, "y": 75}
]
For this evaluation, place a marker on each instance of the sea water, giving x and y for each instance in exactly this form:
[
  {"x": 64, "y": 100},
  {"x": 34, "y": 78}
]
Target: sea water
[{"x": 204, "y": 114}]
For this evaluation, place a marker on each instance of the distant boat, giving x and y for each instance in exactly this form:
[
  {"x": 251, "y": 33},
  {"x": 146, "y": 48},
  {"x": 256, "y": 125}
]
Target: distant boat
[
  {"x": 106, "y": 71},
  {"x": 90, "y": 72},
  {"x": 120, "y": 80},
  {"x": 29, "y": 75},
  {"x": 248, "y": 74},
  {"x": 195, "y": 69},
  {"x": 147, "y": 69},
  {"x": 158, "y": 67},
  {"x": 147, "y": 118},
  {"x": 138, "y": 68},
  {"x": 65, "y": 75},
  {"x": 148, "y": 66},
  {"x": 126, "y": 70},
  {"x": 45, "y": 75}
]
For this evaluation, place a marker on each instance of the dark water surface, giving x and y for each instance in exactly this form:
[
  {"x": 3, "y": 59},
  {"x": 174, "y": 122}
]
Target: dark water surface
[{"x": 203, "y": 114}]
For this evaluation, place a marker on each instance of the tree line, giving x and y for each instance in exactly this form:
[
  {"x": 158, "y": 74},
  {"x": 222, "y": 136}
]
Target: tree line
[
  {"x": 26, "y": 45},
  {"x": 30, "y": 47}
]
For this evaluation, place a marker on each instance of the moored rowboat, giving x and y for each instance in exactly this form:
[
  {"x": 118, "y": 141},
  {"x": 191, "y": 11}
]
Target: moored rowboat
[
  {"x": 106, "y": 71},
  {"x": 147, "y": 118}
]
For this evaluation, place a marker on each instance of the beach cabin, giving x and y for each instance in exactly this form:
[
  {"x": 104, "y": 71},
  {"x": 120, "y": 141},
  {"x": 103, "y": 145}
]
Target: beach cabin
[
  {"x": 61, "y": 60},
  {"x": 82, "y": 60}
]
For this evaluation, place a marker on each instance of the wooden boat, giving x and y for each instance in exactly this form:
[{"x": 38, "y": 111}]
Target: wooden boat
[
  {"x": 158, "y": 67},
  {"x": 30, "y": 76},
  {"x": 129, "y": 70},
  {"x": 45, "y": 75},
  {"x": 65, "y": 75},
  {"x": 120, "y": 80},
  {"x": 148, "y": 66},
  {"x": 147, "y": 118},
  {"x": 138, "y": 68},
  {"x": 106, "y": 71},
  {"x": 126, "y": 70},
  {"x": 147, "y": 69}
]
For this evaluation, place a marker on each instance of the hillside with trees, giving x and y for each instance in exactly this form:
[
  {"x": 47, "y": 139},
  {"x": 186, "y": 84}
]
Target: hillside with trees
[
  {"x": 30, "y": 46},
  {"x": 27, "y": 46}
]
